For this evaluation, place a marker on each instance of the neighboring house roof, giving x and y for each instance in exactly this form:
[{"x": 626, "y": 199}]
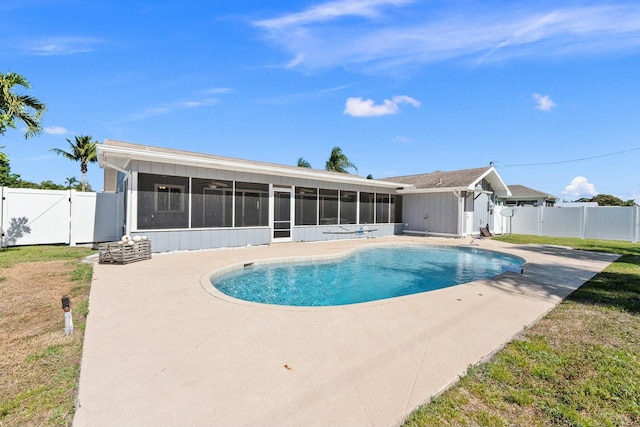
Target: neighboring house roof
[
  {"x": 522, "y": 192},
  {"x": 461, "y": 180},
  {"x": 118, "y": 155}
]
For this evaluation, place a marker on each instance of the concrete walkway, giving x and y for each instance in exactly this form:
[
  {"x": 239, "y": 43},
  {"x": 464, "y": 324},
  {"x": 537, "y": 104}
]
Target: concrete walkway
[{"x": 162, "y": 350}]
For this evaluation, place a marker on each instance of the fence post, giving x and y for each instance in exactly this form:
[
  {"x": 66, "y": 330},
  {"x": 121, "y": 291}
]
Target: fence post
[
  {"x": 635, "y": 229},
  {"x": 73, "y": 217},
  {"x": 2, "y": 217},
  {"x": 541, "y": 221},
  {"x": 583, "y": 228}
]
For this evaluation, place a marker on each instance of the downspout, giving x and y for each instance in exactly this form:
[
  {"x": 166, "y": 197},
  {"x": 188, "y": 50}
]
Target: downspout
[
  {"x": 458, "y": 194},
  {"x": 128, "y": 175}
]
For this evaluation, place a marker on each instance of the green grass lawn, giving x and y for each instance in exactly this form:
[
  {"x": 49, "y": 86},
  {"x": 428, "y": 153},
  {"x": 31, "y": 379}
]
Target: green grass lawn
[
  {"x": 39, "y": 365},
  {"x": 579, "y": 366},
  {"x": 24, "y": 254}
]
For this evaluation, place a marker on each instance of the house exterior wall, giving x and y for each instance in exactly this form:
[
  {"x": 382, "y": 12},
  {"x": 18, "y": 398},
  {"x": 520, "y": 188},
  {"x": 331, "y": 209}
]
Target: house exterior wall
[
  {"x": 431, "y": 213},
  {"x": 483, "y": 212},
  {"x": 188, "y": 238}
]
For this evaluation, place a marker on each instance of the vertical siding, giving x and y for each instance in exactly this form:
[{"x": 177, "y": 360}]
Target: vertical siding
[
  {"x": 109, "y": 217},
  {"x": 189, "y": 240},
  {"x": 343, "y": 232},
  {"x": 480, "y": 212},
  {"x": 172, "y": 240},
  {"x": 433, "y": 212}
]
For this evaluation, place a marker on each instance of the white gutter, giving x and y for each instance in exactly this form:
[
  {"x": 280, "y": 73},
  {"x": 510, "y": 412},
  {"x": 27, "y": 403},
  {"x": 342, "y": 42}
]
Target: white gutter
[
  {"x": 433, "y": 190},
  {"x": 460, "y": 211}
]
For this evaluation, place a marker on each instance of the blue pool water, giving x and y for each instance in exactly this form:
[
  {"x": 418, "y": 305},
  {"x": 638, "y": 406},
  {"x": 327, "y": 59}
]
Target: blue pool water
[{"x": 366, "y": 275}]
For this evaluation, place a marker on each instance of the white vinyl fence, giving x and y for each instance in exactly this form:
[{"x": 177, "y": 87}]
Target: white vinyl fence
[
  {"x": 602, "y": 222},
  {"x": 35, "y": 217}
]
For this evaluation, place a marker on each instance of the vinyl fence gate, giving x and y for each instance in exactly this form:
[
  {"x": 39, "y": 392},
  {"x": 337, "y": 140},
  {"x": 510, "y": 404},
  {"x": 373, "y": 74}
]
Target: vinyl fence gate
[{"x": 36, "y": 217}]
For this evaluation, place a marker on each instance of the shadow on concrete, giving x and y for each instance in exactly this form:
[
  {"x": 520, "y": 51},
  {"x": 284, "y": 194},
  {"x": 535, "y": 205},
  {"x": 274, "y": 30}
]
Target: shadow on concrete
[
  {"x": 566, "y": 252},
  {"x": 607, "y": 288}
]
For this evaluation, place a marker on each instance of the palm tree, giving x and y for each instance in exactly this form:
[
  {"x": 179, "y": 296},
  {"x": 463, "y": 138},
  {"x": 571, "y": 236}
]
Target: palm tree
[
  {"x": 338, "y": 161},
  {"x": 83, "y": 151},
  {"x": 302, "y": 163},
  {"x": 14, "y": 107},
  {"x": 71, "y": 183}
]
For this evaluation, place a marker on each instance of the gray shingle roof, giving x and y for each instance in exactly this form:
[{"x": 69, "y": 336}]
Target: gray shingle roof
[
  {"x": 520, "y": 191},
  {"x": 442, "y": 179}
]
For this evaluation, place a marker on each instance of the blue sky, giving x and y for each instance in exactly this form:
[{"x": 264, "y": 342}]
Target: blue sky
[{"x": 547, "y": 90}]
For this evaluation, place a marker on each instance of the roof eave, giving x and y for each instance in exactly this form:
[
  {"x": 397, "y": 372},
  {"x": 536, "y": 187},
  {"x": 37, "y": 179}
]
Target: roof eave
[
  {"x": 127, "y": 154},
  {"x": 433, "y": 190},
  {"x": 502, "y": 190}
]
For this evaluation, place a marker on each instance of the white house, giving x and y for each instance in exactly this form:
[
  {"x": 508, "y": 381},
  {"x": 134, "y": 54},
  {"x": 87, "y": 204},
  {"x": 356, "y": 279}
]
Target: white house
[
  {"x": 526, "y": 196},
  {"x": 184, "y": 200},
  {"x": 451, "y": 203}
]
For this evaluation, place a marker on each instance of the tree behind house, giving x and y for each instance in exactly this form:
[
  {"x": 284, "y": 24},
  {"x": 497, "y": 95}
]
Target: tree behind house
[
  {"x": 338, "y": 162},
  {"x": 302, "y": 163},
  {"x": 83, "y": 151},
  {"x": 7, "y": 179},
  {"x": 608, "y": 200}
]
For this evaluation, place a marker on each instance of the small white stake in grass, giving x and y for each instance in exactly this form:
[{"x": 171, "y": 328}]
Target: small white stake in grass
[{"x": 68, "y": 320}]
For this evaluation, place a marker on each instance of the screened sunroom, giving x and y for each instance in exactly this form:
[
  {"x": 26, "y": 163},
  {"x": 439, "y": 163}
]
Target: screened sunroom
[{"x": 183, "y": 200}]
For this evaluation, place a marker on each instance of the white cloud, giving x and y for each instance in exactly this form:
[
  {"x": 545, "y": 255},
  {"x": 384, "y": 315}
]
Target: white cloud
[
  {"x": 358, "y": 107},
  {"x": 294, "y": 98},
  {"x": 544, "y": 103},
  {"x": 579, "y": 187},
  {"x": 171, "y": 107},
  {"x": 387, "y": 34},
  {"x": 219, "y": 90},
  {"x": 402, "y": 139},
  {"x": 329, "y": 11},
  {"x": 335, "y": 89},
  {"x": 55, "y": 130},
  {"x": 407, "y": 100},
  {"x": 61, "y": 45}
]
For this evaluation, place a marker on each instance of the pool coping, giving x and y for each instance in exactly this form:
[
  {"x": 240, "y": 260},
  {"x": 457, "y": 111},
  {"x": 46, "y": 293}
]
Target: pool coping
[{"x": 160, "y": 350}]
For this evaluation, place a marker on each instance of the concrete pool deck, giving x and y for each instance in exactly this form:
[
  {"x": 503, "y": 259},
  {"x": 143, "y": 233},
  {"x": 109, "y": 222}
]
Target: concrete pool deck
[{"x": 161, "y": 350}]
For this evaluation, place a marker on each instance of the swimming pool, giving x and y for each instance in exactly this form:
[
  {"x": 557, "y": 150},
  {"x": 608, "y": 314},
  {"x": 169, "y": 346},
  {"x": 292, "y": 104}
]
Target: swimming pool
[{"x": 364, "y": 275}]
